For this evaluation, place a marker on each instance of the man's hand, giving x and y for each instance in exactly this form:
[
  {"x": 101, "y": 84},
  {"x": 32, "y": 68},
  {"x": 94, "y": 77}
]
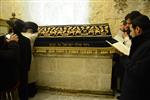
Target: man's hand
[{"x": 13, "y": 37}]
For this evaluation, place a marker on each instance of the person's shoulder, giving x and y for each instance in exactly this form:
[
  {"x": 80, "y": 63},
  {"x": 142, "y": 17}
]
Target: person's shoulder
[{"x": 25, "y": 40}]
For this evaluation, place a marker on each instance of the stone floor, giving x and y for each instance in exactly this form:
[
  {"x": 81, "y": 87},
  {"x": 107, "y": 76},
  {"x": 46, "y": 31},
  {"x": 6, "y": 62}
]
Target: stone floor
[{"x": 47, "y": 95}]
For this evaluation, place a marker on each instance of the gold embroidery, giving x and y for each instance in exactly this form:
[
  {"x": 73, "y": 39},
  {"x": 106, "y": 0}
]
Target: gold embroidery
[{"x": 75, "y": 30}]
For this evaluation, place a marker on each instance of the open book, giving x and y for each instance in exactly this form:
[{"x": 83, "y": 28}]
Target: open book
[{"x": 119, "y": 46}]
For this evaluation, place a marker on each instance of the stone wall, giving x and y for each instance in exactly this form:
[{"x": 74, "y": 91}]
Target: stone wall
[
  {"x": 87, "y": 73},
  {"x": 100, "y": 11},
  {"x": 73, "y": 68},
  {"x": 113, "y": 11}
]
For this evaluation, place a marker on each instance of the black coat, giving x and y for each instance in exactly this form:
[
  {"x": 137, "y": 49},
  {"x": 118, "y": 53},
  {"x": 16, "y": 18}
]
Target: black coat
[
  {"x": 9, "y": 65},
  {"x": 136, "y": 84},
  {"x": 25, "y": 61},
  {"x": 25, "y": 52}
]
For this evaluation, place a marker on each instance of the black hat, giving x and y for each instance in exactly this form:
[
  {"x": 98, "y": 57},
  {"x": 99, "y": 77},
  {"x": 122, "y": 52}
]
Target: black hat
[
  {"x": 16, "y": 24},
  {"x": 31, "y": 25}
]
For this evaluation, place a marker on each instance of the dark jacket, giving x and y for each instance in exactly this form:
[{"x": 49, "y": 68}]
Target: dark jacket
[
  {"x": 25, "y": 52},
  {"x": 9, "y": 65},
  {"x": 138, "y": 41},
  {"x": 136, "y": 84},
  {"x": 17, "y": 26}
]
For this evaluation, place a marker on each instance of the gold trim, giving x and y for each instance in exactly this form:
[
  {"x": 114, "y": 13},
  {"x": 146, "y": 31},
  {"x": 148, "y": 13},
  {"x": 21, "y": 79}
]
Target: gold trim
[
  {"x": 101, "y": 30},
  {"x": 74, "y": 50}
]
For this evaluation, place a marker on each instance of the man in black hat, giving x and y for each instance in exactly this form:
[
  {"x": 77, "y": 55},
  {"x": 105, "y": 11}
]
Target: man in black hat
[
  {"x": 33, "y": 27},
  {"x": 9, "y": 65},
  {"x": 31, "y": 32},
  {"x": 17, "y": 26}
]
